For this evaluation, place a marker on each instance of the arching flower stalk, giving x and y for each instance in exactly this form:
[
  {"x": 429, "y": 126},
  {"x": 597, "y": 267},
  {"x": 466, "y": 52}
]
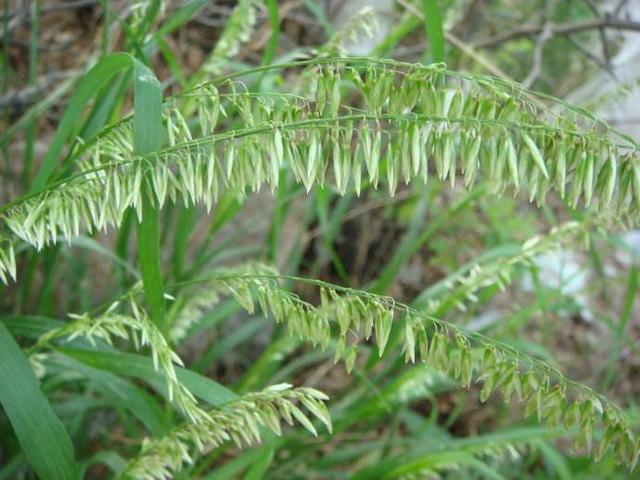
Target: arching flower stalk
[
  {"x": 239, "y": 422},
  {"x": 416, "y": 120},
  {"x": 346, "y": 318}
]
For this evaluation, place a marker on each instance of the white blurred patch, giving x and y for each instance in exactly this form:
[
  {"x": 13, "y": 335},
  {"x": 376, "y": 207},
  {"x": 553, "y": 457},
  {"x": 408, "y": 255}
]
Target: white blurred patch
[
  {"x": 562, "y": 270},
  {"x": 363, "y": 44},
  {"x": 629, "y": 253}
]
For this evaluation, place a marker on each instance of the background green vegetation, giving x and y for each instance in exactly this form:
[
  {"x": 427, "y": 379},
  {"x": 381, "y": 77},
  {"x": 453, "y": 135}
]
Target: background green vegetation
[{"x": 81, "y": 390}]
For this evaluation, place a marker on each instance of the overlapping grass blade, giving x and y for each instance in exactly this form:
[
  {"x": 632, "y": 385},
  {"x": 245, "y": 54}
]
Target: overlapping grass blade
[{"x": 42, "y": 435}]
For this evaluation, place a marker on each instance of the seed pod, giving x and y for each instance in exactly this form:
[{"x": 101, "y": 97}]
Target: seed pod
[
  {"x": 392, "y": 171},
  {"x": 513, "y": 383},
  {"x": 611, "y": 432},
  {"x": 470, "y": 105},
  {"x": 466, "y": 367},
  {"x": 170, "y": 128},
  {"x": 204, "y": 116},
  {"x": 383, "y": 329},
  {"x": 588, "y": 178},
  {"x": 430, "y": 100},
  {"x": 117, "y": 190},
  {"x": 231, "y": 157},
  {"x": 554, "y": 403},
  {"x": 512, "y": 162},
  {"x": 365, "y": 143},
  {"x": 312, "y": 161},
  {"x": 381, "y": 89},
  {"x": 561, "y": 169},
  {"x": 409, "y": 341},
  {"x": 442, "y": 158},
  {"x": 610, "y": 184},
  {"x": 502, "y": 169},
  {"x": 446, "y": 101},
  {"x": 497, "y": 162},
  {"x": 425, "y": 150},
  {"x": 486, "y": 108},
  {"x": 508, "y": 110},
  {"x": 572, "y": 416},
  {"x": 488, "y": 386},
  {"x": 346, "y": 161},
  {"x": 535, "y": 153},
  {"x": 534, "y": 184},
  {"x": 423, "y": 343},
  {"x": 635, "y": 182},
  {"x": 438, "y": 351},
  {"x": 578, "y": 179},
  {"x": 585, "y": 435},
  {"x": 471, "y": 160},
  {"x": 183, "y": 128},
  {"x": 11, "y": 262},
  {"x": 321, "y": 92},
  {"x": 624, "y": 185},
  {"x": 215, "y": 107},
  {"x": 337, "y": 167},
  {"x": 411, "y": 87},
  {"x": 295, "y": 160},
  {"x": 449, "y": 147},
  {"x": 278, "y": 146},
  {"x": 405, "y": 158},
  {"x": 350, "y": 358},
  {"x": 357, "y": 168},
  {"x": 457, "y": 104},
  {"x": 374, "y": 159},
  {"x": 416, "y": 148},
  {"x": 3, "y": 277}
]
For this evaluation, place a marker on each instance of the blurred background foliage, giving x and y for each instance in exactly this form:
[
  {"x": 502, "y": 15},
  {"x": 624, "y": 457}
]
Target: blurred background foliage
[{"x": 574, "y": 307}]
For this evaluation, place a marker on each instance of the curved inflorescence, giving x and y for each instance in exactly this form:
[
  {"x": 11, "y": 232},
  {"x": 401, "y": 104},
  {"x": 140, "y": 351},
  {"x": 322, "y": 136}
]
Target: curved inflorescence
[
  {"x": 139, "y": 329},
  {"x": 350, "y": 317},
  {"x": 239, "y": 421},
  {"x": 412, "y": 123}
]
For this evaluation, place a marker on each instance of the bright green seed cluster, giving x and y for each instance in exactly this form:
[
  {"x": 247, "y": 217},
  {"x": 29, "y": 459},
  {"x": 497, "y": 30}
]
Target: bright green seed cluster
[
  {"x": 142, "y": 332},
  {"x": 458, "y": 291},
  {"x": 416, "y": 123},
  {"x": 353, "y": 317},
  {"x": 239, "y": 421}
]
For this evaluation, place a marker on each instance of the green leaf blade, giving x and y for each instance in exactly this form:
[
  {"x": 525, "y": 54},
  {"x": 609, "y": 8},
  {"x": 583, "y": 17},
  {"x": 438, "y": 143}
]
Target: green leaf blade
[
  {"x": 41, "y": 434},
  {"x": 148, "y": 134},
  {"x": 433, "y": 25}
]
